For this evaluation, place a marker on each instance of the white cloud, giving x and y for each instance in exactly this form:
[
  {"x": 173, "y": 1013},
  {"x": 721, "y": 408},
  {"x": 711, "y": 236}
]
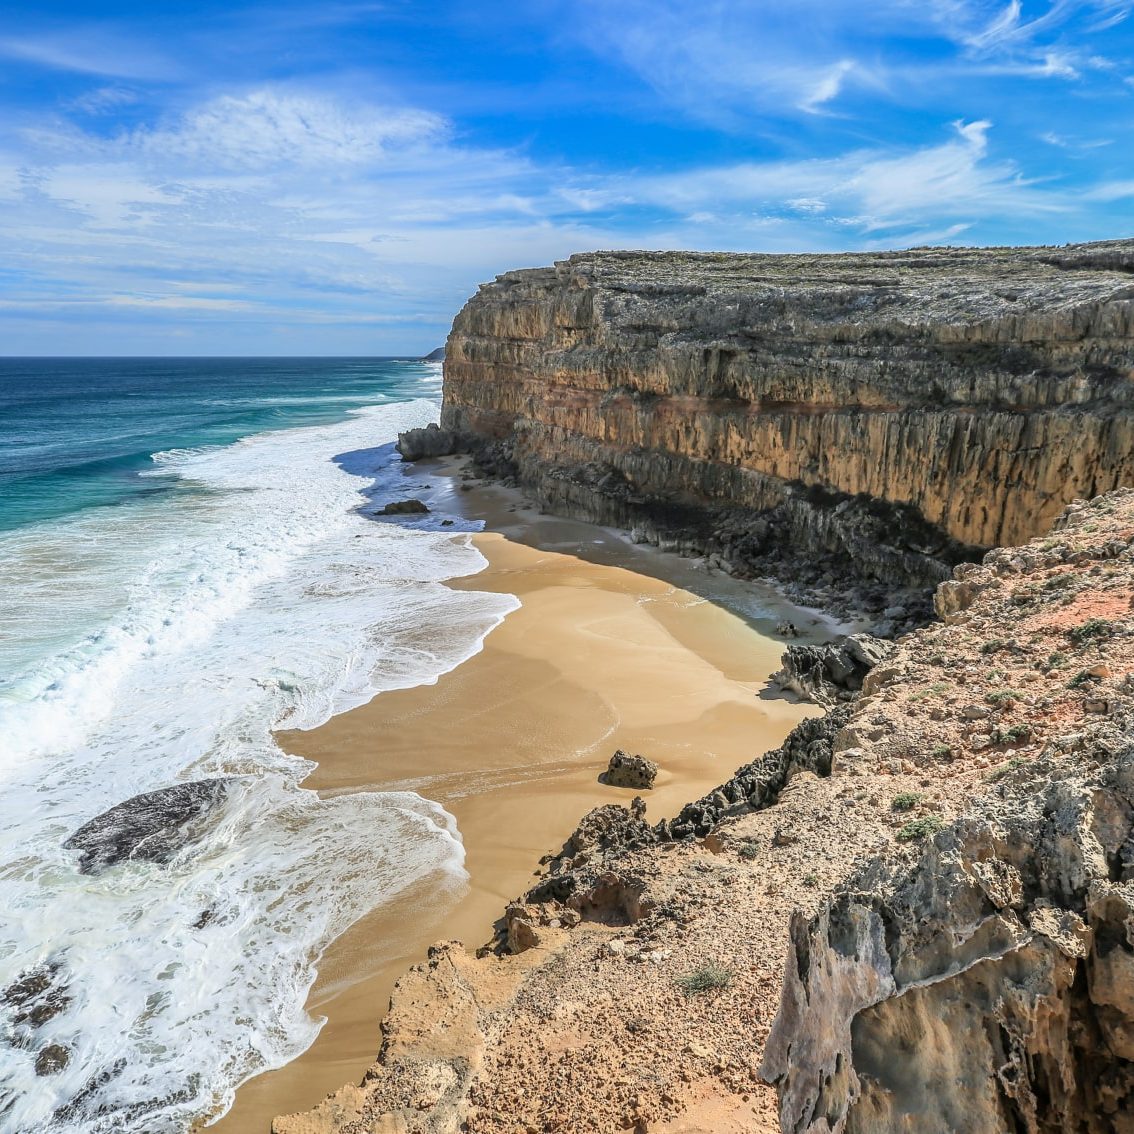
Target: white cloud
[{"x": 265, "y": 128}]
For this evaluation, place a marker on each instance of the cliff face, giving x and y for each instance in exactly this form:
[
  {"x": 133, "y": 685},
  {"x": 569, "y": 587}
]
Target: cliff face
[{"x": 901, "y": 409}]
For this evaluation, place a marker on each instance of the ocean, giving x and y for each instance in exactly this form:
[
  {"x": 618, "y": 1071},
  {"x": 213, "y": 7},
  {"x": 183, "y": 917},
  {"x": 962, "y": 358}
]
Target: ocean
[{"x": 187, "y": 562}]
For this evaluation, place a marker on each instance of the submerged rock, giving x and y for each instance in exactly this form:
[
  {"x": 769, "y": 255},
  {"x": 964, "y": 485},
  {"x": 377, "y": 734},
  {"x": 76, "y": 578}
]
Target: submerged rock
[
  {"x": 151, "y": 827},
  {"x": 37, "y": 996},
  {"x": 404, "y": 508},
  {"x": 432, "y": 441},
  {"x": 625, "y": 770}
]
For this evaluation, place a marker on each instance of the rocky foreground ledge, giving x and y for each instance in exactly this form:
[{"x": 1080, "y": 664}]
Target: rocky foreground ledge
[
  {"x": 883, "y": 415},
  {"x": 946, "y": 863}
]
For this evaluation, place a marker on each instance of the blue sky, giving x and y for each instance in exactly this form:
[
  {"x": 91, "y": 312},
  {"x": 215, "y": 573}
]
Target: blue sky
[{"x": 337, "y": 177}]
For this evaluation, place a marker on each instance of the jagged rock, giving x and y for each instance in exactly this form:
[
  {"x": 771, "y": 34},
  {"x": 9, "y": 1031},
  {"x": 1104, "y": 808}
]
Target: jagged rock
[
  {"x": 787, "y": 630},
  {"x": 758, "y": 785},
  {"x": 999, "y": 963},
  {"x": 151, "y": 827},
  {"x": 404, "y": 508},
  {"x": 627, "y": 771},
  {"x": 432, "y": 441},
  {"x": 886, "y": 414},
  {"x": 832, "y": 671}
]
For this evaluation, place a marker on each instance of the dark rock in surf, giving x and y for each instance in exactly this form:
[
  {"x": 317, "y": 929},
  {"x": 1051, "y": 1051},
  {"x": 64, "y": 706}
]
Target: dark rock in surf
[
  {"x": 404, "y": 508},
  {"x": 151, "y": 827},
  {"x": 52, "y": 1059},
  {"x": 37, "y": 995}
]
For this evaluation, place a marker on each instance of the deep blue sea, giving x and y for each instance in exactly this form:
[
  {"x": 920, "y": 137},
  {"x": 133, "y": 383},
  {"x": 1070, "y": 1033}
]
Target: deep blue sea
[{"x": 187, "y": 562}]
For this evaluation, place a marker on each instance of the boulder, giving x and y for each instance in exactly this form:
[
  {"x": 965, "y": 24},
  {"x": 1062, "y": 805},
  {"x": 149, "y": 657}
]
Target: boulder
[
  {"x": 151, "y": 827},
  {"x": 625, "y": 770},
  {"x": 404, "y": 508},
  {"x": 432, "y": 441}
]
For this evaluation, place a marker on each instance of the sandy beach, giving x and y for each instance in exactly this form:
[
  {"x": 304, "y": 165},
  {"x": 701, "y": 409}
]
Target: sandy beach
[{"x": 613, "y": 647}]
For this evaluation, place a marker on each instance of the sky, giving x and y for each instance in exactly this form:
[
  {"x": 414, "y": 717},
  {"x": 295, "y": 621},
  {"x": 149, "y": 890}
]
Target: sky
[{"x": 324, "y": 177}]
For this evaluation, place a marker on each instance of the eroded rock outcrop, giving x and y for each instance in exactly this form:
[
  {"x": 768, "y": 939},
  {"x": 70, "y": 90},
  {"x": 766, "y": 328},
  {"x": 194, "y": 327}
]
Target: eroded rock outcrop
[
  {"x": 986, "y": 980},
  {"x": 894, "y": 411}
]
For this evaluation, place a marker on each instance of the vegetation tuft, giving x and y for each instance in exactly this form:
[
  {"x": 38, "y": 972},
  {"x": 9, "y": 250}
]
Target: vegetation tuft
[
  {"x": 920, "y": 829},
  {"x": 708, "y": 978}
]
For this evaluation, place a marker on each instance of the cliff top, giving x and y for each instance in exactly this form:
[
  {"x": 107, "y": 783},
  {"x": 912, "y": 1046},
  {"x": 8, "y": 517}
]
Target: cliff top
[{"x": 950, "y": 284}]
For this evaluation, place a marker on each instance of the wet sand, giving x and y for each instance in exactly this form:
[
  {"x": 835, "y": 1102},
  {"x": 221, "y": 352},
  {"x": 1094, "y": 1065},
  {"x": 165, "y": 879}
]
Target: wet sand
[{"x": 604, "y": 653}]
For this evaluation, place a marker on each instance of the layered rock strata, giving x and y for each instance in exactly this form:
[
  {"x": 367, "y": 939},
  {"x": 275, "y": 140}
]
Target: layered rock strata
[
  {"x": 947, "y": 862},
  {"x": 895, "y": 412}
]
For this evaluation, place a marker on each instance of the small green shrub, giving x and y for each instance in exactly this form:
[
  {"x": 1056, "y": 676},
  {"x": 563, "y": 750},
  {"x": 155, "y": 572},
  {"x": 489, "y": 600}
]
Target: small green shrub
[
  {"x": 994, "y": 644},
  {"x": 1003, "y": 696},
  {"x": 1094, "y": 629},
  {"x": 907, "y": 801},
  {"x": 708, "y": 978},
  {"x": 748, "y": 849},
  {"x": 934, "y": 690},
  {"x": 811, "y": 880},
  {"x": 920, "y": 829},
  {"x": 940, "y": 751},
  {"x": 1083, "y": 677}
]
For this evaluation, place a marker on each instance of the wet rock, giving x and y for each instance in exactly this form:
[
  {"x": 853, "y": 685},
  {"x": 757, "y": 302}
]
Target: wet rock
[
  {"x": 787, "y": 630},
  {"x": 37, "y": 996},
  {"x": 52, "y": 1059},
  {"x": 432, "y": 441},
  {"x": 404, "y": 508},
  {"x": 627, "y": 771},
  {"x": 152, "y": 827}
]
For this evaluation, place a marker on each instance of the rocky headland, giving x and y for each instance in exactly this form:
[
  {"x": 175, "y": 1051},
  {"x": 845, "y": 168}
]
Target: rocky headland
[
  {"x": 895, "y": 413},
  {"x": 918, "y": 912}
]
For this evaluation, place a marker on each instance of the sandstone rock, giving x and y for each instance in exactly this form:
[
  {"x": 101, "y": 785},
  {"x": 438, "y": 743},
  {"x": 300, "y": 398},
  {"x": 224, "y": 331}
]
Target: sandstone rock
[
  {"x": 432, "y": 441},
  {"x": 627, "y": 771},
  {"x": 404, "y": 508}
]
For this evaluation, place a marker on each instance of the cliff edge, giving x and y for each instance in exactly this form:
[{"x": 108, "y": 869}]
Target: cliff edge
[{"x": 893, "y": 413}]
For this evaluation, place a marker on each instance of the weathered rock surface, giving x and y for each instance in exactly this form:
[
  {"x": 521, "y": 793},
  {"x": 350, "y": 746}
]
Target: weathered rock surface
[
  {"x": 893, "y": 412},
  {"x": 833, "y": 671},
  {"x": 430, "y": 441},
  {"x": 151, "y": 827},
  {"x": 625, "y": 770},
  {"x": 998, "y": 961}
]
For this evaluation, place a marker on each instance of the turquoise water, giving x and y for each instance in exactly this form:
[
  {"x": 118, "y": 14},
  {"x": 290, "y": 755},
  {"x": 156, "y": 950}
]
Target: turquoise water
[
  {"x": 189, "y": 560},
  {"x": 75, "y": 433}
]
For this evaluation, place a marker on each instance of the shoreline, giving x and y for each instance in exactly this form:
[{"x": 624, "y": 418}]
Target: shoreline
[{"x": 604, "y": 652}]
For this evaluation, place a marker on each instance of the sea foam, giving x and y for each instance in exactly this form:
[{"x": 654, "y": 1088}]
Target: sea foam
[{"x": 159, "y": 642}]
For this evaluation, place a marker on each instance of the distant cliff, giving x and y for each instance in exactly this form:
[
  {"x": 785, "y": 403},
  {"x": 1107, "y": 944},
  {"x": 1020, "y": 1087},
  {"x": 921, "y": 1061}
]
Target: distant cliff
[{"x": 899, "y": 410}]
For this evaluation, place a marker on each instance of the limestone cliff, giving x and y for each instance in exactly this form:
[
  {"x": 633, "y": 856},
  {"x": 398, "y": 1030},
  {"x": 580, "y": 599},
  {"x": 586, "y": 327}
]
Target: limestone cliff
[{"x": 900, "y": 410}]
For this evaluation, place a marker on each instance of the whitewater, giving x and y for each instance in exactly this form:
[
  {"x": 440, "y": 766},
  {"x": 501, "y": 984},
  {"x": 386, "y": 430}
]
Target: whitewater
[{"x": 161, "y": 641}]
